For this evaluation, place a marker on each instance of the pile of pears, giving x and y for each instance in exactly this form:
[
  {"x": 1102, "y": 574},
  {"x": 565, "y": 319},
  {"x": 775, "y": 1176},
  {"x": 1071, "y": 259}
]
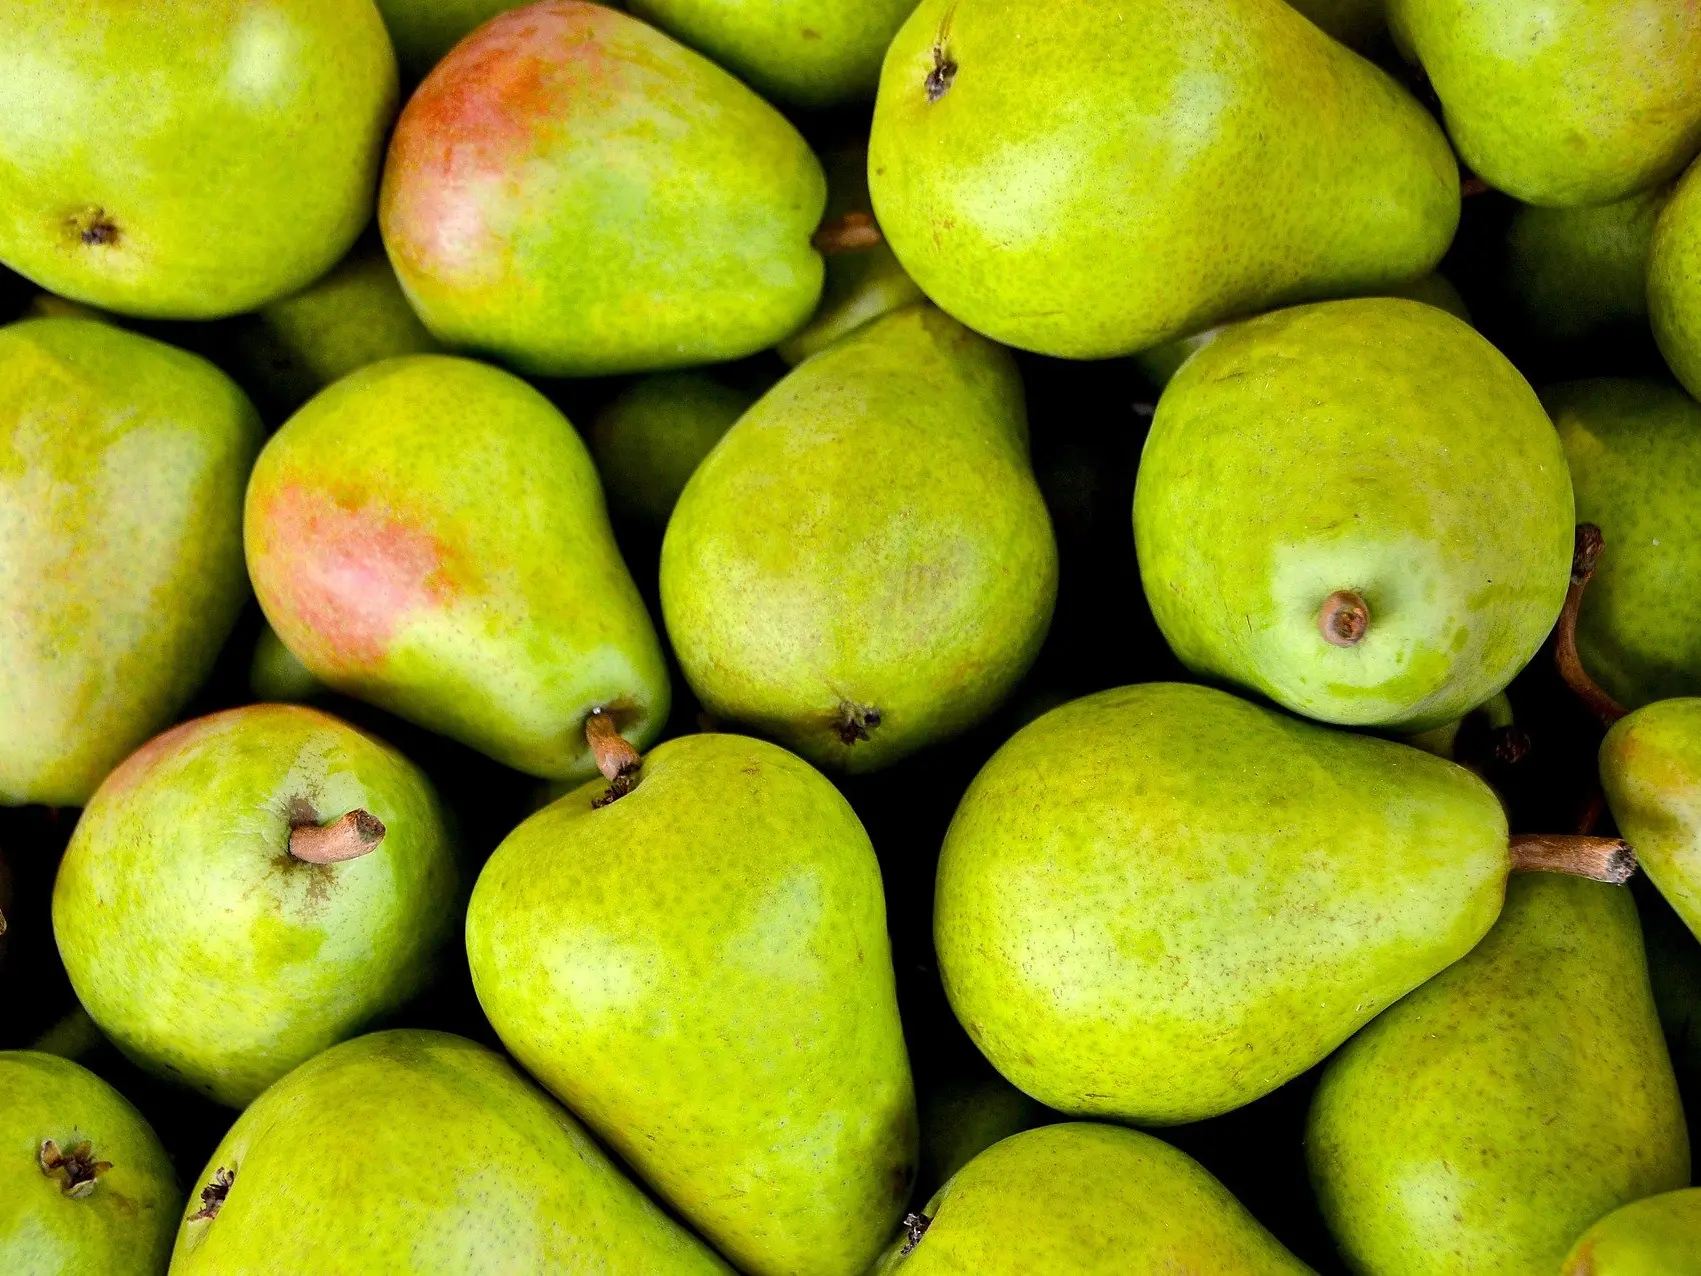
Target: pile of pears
[{"x": 992, "y": 637}]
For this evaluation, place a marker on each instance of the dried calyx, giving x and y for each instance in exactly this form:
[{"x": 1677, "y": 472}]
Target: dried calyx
[
  {"x": 615, "y": 757},
  {"x": 75, "y": 1169},
  {"x": 1585, "y": 553},
  {"x": 915, "y": 1227},
  {"x": 1344, "y": 619},
  {"x": 345, "y": 838},
  {"x": 213, "y": 1194},
  {"x": 855, "y": 722}
]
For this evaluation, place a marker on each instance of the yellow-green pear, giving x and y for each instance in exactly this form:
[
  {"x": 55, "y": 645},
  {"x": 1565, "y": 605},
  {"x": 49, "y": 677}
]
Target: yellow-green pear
[
  {"x": 1651, "y": 771},
  {"x": 652, "y": 437},
  {"x": 1674, "y": 281},
  {"x": 1574, "y": 273},
  {"x": 1657, "y": 1236}
]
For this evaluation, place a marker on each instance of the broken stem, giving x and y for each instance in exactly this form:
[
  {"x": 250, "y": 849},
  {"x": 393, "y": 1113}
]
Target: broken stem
[
  {"x": 1603, "y": 859},
  {"x": 348, "y": 837},
  {"x": 1584, "y": 555},
  {"x": 851, "y": 233},
  {"x": 616, "y": 758}
]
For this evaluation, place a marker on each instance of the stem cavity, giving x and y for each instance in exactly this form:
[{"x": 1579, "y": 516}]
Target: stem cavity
[
  {"x": 1344, "y": 619},
  {"x": 1585, "y": 554},
  {"x": 616, "y": 758},
  {"x": 1602, "y": 859},
  {"x": 346, "y": 838}
]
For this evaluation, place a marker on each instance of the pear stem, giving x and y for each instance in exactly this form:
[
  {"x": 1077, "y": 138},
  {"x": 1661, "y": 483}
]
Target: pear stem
[
  {"x": 1344, "y": 619},
  {"x": 1584, "y": 556},
  {"x": 345, "y": 838},
  {"x": 2, "y": 923},
  {"x": 852, "y": 233},
  {"x": 1602, "y": 859},
  {"x": 616, "y": 758},
  {"x": 1469, "y": 186}
]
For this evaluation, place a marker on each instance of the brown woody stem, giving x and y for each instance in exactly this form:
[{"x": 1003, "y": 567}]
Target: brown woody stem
[
  {"x": 1344, "y": 619},
  {"x": 1604, "y": 859},
  {"x": 1470, "y": 186},
  {"x": 851, "y": 233},
  {"x": 346, "y": 838},
  {"x": 1584, "y": 555}
]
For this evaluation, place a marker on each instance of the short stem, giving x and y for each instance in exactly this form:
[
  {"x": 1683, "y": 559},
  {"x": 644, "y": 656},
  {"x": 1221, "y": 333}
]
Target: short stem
[
  {"x": 852, "y": 233},
  {"x": 1585, "y": 553},
  {"x": 1470, "y": 186},
  {"x": 1344, "y": 619},
  {"x": 614, "y": 754},
  {"x": 1604, "y": 859},
  {"x": 349, "y": 837}
]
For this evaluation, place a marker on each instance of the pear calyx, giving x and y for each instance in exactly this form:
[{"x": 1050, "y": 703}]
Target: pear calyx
[
  {"x": 1583, "y": 559},
  {"x": 851, "y": 233},
  {"x": 1344, "y": 619},
  {"x": 213, "y": 1194},
  {"x": 915, "y": 1227},
  {"x": 938, "y": 82},
  {"x": 75, "y": 1169},
  {"x": 1603, "y": 859},
  {"x": 348, "y": 837},
  {"x": 854, "y": 721},
  {"x": 616, "y": 758}
]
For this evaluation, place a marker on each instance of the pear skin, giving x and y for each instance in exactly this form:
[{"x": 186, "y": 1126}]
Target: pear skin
[
  {"x": 1488, "y": 1118},
  {"x": 1651, "y": 771},
  {"x": 652, "y": 437},
  {"x": 961, "y": 1119},
  {"x": 1674, "y": 281},
  {"x": 424, "y": 30},
  {"x": 1659, "y": 1236},
  {"x": 1574, "y": 273},
  {"x": 429, "y": 534}
]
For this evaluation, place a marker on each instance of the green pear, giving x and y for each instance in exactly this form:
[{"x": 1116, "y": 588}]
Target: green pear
[
  {"x": 1158, "y": 903},
  {"x": 424, "y": 30},
  {"x": 249, "y": 888},
  {"x": 650, "y": 439},
  {"x": 864, "y": 564},
  {"x": 1158, "y": 170},
  {"x": 1358, "y": 24},
  {"x": 1487, "y": 1119},
  {"x": 1313, "y": 511},
  {"x": 700, "y": 970},
  {"x": 809, "y": 53},
  {"x": 122, "y": 463},
  {"x": 1651, "y": 771},
  {"x": 1634, "y": 449},
  {"x": 1674, "y": 281},
  {"x": 862, "y": 283},
  {"x": 1657, "y": 1236},
  {"x": 84, "y": 1184},
  {"x": 1674, "y": 969},
  {"x": 429, "y": 535},
  {"x": 1574, "y": 273},
  {"x": 291, "y": 349},
  {"x": 187, "y": 161},
  {"x": 1562, "y": 103},
  {"x": 574, "y": 194},
  {"x": 961, "y": 1119},
  {"x": 1085, "y": 1200},
  {"x": 275, "y": 674},
  {"x": 412, "y": 1151}
]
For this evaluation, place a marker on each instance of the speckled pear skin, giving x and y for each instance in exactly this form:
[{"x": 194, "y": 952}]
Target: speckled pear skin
[
  {"x": 650, "y": 439},
  {"x": 274, "y": 674},
  {"x": 424, "y": 30},
  {"x": 1087, "y": 1200},
  {"x": 122, "y": 464},
  {"x": 961, "y": 1119},
  {"x": 869, "y": 539},
  {"x": 187, "y": 161},
  {"x": 1634, "y": 449},
  {"x": 1082, "y": 188},
  {"x": 200, "y": 946},
  {"x": 1651, "y": 771},
  {"x": 1487, "y": 1119},
  {"x": 1562, "y": 103},
  {"x": 291, "y": 349},
  {"x": 861, "y": 285},
  {"x": 700, "y": 970},
  {"x": 808, "y": 53},
  {"x": 1157, "y": 903},
  {"x": 1674, "y": 281},
  {"x": 122, "y": 1226},
  {"x": 1658, "y": 1236},
  {"x": 451, "y": 1161},
  {"x": 1364, "y": 446},
  {"x": 574, "y": 194},
  {"x": 1576, "y": 272},
  {"x": 429, "y": 535}
]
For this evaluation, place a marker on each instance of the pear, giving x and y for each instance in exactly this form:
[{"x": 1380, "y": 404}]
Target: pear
[
  {"x": 84, "y": 1184},
  {"x": 1158, "y": 903},
  {"x": 1158, "y": 170},
  {"x": 1674, "y": 281},
  {"x": 1651, "y": 771},
  {"x": 1080, "y": 1200},
  {"x": 1310, "y": 511},
  {"x": 429, "y": 535},
  {"x": 249, "y": 888},
  {"x": 1634, "y": 449},
  {"x": 291, "y": 349},
  {"x": 1566, "y": 103},
  {"x": 574, "y": 194},
  {"x": 1658, "y": 1236},
  {"x": 412, "y": 1151},
  {"x": 424, "y": 30},
  {"x": 1496, "y": 1112},
  {"x": 187, "y": 161},
  {"x": 700, "y": 970},
  {"x": 1674, "y": 969},
  {"x": 650, "y": 439},
  {"x": 810, "y": 53},
  {"x": 275, "y": 674},
  {"x": 864, "y": 279},
  {"x": 961, "y": 1119},
  {"x": 1575, "y": 273},
  {"x": 864, "y": 565},
  {"x": 122, "y": 462}
]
